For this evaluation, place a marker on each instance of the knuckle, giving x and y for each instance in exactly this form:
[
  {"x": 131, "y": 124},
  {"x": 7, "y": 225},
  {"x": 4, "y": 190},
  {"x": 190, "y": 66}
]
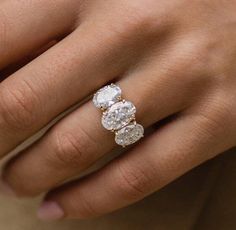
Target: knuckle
[
  {"x": 133, "y": 182},
  {"x": 18, "y": 107},
  {"x": 140, "y": 20},
  {"x": 72, "y": 149},
  {"x": 215, "y": 118},
  {"x": 140, "y": 23},
  {"x": 205, "y": 53},
  {"x": 192, "y": 57},
  {"x": 67, "y": 150},
  {"x": 147, "y": 18}
]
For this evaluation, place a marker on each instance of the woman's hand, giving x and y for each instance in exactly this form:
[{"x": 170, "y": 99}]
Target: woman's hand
[{"x": 171, "y": 58}]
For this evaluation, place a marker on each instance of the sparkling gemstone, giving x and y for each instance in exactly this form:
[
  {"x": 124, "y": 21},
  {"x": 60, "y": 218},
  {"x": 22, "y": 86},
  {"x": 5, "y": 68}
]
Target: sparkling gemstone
[
  {"x": 107, "y": 96},
  {"x": 118, "y": 115},
  {"x": 129, "y": 134}
]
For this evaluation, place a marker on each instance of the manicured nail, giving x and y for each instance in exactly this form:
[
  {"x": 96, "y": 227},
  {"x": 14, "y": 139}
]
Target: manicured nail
[
  {"x": 49, "y": 211},
  {"x": 6, "y": 189}
]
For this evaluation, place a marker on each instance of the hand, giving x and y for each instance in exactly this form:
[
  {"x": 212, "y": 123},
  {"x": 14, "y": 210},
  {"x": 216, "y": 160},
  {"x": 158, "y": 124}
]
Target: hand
[{"x": 173, "y": 59}]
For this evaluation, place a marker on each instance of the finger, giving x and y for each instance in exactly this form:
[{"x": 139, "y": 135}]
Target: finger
[
  {"x": 58, "y": 79},
  {"x": 26, "y": 26},
  {"x": 167, "y": 154},
  {"x": 9, "y": 70},
  {"x": 75, "y": 143}
]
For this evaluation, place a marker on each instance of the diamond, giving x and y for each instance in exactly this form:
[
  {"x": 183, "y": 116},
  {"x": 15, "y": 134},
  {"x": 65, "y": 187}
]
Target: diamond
[
  {"x": 107, "y": 96},
  {"x": 118, "y": 115},
  {"x": 129, "y": 134}
]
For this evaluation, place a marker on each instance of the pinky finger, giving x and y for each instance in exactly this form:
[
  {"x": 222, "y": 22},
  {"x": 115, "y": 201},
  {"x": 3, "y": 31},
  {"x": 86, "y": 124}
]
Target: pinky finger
[{"x": 165, "y": 155}]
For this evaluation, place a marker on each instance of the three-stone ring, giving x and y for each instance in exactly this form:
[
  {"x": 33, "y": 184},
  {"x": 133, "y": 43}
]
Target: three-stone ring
[{"x": 118, "y": 115}]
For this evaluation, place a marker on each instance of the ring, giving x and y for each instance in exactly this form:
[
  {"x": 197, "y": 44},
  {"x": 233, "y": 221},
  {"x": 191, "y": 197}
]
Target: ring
[{"x": 118, "y": 115}]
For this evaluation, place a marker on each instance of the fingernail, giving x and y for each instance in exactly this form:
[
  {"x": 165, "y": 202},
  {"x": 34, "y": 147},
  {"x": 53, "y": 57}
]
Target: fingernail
[
  {"x": 6, "y": 189},
  {"x": 49, "y": 211}
]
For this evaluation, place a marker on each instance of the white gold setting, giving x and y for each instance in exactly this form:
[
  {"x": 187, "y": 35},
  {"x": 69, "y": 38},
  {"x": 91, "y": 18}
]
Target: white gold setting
[{"x": 118, "y": 115}]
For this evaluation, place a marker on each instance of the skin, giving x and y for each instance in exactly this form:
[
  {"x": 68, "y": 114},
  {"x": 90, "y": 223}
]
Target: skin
[{"x": 171, "y": 58}]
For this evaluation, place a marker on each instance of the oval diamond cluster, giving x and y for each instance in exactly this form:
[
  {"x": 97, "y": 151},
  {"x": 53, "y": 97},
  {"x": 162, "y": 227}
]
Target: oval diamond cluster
[{"x": 118, "y": 115}]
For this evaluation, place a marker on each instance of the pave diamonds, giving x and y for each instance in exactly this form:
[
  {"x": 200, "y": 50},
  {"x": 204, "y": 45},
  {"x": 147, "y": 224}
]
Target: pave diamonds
[
  {"x": 118, "y": 115},
  {"x": 129, "y": 134},
  {"x": 107, "y": 96}
]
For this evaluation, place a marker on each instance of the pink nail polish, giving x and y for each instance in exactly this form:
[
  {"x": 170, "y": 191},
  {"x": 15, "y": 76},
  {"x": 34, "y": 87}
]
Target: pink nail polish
[
  {"x": 6, "y": 189},
  {"x": 49, "y": 211}
]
